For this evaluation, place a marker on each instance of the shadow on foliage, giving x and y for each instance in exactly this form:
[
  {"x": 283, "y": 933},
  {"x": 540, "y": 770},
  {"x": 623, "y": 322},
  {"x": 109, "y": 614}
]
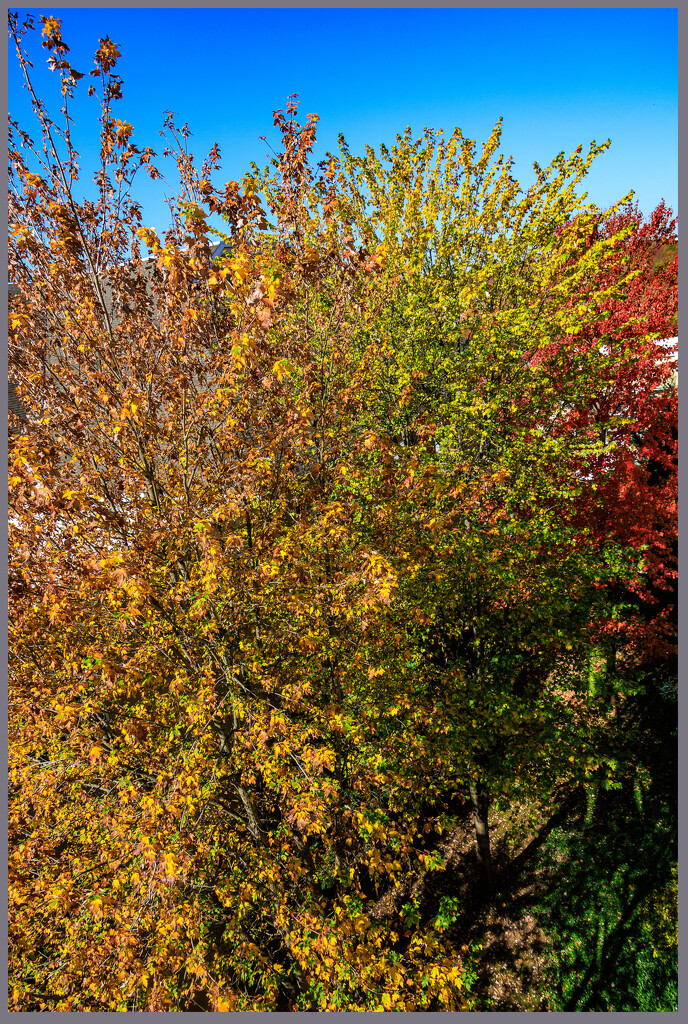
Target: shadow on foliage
[
  {"x": 570, "y": 928},
  {"x": 599, "y": 872}
]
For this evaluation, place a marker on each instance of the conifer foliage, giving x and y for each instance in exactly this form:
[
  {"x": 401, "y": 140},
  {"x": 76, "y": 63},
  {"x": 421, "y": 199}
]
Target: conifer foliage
[{"x": 303, "y": 543}]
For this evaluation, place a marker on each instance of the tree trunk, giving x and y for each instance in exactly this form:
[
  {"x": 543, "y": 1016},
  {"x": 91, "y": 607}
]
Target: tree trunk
[
  {"x": 611, "y": 681},
  {"x": 480, "y": 799}
]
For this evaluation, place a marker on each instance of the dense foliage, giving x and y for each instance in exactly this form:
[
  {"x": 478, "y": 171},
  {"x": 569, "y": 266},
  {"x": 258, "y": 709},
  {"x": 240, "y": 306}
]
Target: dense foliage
[{"x": 312, "y": 548}]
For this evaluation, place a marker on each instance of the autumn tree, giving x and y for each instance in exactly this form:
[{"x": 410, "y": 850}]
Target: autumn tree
[
  {"x": 293, "y": 550},
  {"x": 636, "y": 500},
  {"x": 191, "y": 826},
  {"x": 492, "y": 361}
]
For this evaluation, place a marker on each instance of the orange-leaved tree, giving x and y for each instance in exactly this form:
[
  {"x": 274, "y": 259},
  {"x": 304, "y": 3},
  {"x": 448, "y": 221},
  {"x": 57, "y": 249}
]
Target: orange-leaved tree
[{"x": 192, "y": 593}]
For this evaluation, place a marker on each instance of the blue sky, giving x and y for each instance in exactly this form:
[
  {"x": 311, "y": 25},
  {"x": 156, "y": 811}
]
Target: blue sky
[{"x": 558, "y": 77}]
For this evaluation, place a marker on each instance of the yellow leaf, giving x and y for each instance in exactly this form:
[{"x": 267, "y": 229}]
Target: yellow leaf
[{"x": 281, "y": 369}]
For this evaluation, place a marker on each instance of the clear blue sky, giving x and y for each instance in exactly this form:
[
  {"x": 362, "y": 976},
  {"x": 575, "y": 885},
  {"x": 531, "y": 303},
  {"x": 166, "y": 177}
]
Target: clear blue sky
[{"x": 558, "y": 77}]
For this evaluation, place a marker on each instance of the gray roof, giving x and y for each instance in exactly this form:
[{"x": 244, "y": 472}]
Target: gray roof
[{"x": 13, "y": 403}]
